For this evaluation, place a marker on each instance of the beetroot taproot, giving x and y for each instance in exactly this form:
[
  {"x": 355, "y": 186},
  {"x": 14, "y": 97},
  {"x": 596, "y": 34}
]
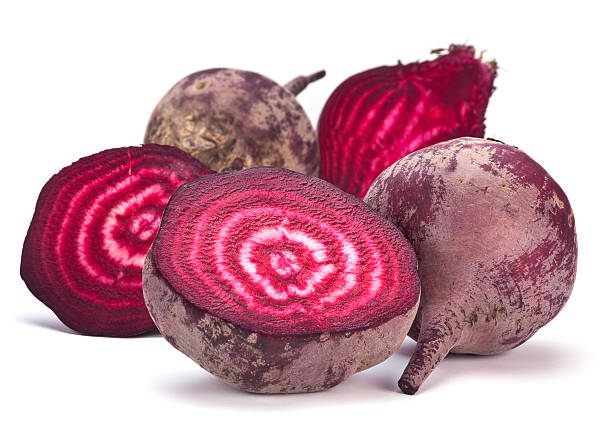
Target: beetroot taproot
[
  {"x": 92, "y": 227},
  {"x": 495, "y": 239},
  {"x": 380, "y": 115},
  {"x": 279, "y": 282},
  {"x": 233, "y": 119}
]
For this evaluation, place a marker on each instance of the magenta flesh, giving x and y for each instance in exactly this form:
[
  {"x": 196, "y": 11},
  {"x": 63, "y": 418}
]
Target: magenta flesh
[
  {"x": 496, "y": 242},
  {"x": 92, "y": 227},
  {"x": 234, "y": 119},
  {"x": 380, "y": 115},
  {"x": 288, "y": 258}
]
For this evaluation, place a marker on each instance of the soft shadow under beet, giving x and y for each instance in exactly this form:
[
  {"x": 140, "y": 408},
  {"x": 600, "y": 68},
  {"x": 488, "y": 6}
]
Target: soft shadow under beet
[
  {"x": 540, "y": 359},
  {"x": 535, "y": 358},
  {"x": 47, "y": 322},
  {"x": 204, "y": 390},
  {"x": 52, "y": 323}
]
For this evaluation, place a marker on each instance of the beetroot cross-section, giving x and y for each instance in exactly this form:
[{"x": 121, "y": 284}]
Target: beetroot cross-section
[
  {"x": 278, "y": 282},
  {"x": 92, "y": 227},
  {"x": 380, "y": 115},
  {"x": 280, "y": 253}
]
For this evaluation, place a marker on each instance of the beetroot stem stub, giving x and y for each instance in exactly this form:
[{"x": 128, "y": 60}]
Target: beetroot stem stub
[{"x": 280, "y": 253}]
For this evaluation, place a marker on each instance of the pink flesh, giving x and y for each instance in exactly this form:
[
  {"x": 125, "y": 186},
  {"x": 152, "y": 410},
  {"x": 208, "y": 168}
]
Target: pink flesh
[
  {"x": 380, "y": 115},
  {"x": 92, "y": 228},
  {"x": 280, "y": 253}
]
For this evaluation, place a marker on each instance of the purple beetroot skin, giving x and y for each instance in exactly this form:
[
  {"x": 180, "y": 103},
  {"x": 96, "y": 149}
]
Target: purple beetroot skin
[
  {"x": 496, "y": 243},
  {"x": 277, "y": 282},
  {"x": 233, "y": 119},
  {"x": 92, "y": 227}
]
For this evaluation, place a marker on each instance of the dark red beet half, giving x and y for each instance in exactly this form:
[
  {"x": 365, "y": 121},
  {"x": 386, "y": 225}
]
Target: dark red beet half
[
  {"x": 92, "y": 227},
  {"x": 233, "y": 119},
  {"x": 380, "y": 115},
  {"x": 495, "y": 237},
  {"x": 279, "y": 282}
]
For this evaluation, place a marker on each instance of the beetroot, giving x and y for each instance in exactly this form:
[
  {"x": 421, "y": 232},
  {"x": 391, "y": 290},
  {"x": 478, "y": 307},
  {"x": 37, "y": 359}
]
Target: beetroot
[
  {"x": 279, "y": 282},
  {"x": 92, "y": 227},
  {"x": 234, "y": 119},
  {"x": 380, "y": 115},
  {"x": 496, "y": 243}
]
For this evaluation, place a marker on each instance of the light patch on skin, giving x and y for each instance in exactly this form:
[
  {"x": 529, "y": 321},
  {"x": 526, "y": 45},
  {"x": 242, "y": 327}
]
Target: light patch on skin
[
  {"x": 558, "y": 201},
  {"x": 275, "y": 113}
]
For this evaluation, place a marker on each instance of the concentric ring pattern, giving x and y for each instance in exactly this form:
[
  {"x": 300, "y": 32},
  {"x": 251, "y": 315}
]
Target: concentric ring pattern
[
  {"x": 93, "y": 225},
  {"x": 378, "y": 116},
  {"x": 278, "y": 252}
]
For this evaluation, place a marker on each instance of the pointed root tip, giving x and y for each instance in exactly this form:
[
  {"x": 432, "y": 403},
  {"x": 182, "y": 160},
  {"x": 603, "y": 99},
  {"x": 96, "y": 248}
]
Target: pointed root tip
[
  {"x": 407, "y": 387},
  {"x": 316, "y": 76}
]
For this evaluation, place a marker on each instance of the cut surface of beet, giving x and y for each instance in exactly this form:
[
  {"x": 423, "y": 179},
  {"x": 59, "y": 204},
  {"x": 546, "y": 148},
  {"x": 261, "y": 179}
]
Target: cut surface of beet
[
  {"x": 277, "y": 282},
  {"x": 92, "y": 227},
  {"x": 280, "y": 253},
  {"x": 380, "y": 115}
]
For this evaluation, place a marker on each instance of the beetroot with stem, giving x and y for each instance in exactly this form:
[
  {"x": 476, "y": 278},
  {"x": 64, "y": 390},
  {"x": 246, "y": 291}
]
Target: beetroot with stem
[
  {"x": 234, "y": 119},
  {"x": 496, "y": 243},
  {"x": 92, "y": 227},
  {"x": 380, "y": 115},
  {"x": 279, "y": 282}
]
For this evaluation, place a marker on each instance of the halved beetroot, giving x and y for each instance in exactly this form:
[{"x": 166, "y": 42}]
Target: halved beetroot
[
  {"x": 380, "y": 115},
  {"x": 92, "y": 227},
  {"x": 279, "y": 282}
]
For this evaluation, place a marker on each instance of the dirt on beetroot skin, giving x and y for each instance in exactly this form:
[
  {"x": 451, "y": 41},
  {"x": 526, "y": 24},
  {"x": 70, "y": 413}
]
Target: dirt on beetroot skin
[{"x": 234, "y": 119}]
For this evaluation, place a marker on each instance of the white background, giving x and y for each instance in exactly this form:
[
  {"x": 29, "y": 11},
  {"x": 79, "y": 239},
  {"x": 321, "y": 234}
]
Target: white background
[{"x": 77, "y": 78}]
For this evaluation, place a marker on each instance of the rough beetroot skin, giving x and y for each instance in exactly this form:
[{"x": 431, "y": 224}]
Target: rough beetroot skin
[
  {"x": 233, "y": 119},
  {"x": 496, "y": 243},
  {"x": 380, "y": 115},
  {"x": 279, "y": 282},
  {"x": 92, "y": 227}
]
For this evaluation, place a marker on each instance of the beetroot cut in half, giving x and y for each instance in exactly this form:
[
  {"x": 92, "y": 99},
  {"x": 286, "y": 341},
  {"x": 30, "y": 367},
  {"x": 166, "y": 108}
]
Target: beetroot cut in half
[
  {"x": 92, "y": 227},
  {"x": 380, "y": 115},
  {"x": 278, "y": 282}
]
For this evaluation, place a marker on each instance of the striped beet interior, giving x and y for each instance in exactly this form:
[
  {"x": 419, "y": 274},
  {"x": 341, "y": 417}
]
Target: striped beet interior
[
  {"x": 380, "y": 115},
  {"x": 93, "y": 225},
  {"x": 281, "y": 253}
]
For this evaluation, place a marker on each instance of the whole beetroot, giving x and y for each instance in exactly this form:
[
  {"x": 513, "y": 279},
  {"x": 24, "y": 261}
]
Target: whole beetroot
[
  {"x": 233, "y": 119},
  {"x": 496, "y": 244}
]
